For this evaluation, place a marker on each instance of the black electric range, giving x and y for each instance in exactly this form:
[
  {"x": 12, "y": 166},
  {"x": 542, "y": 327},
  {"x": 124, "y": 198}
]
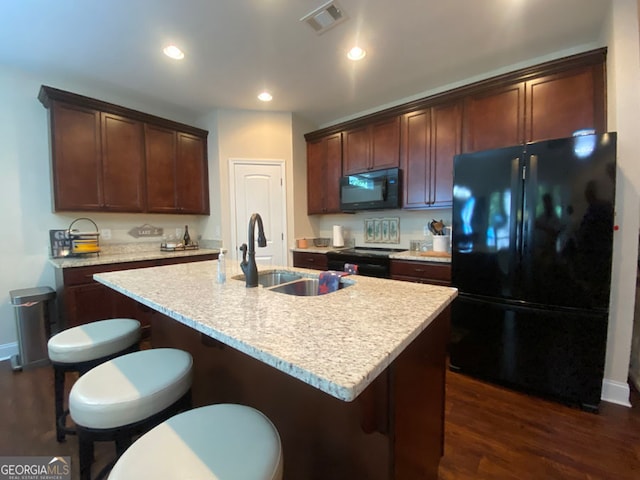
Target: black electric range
[{"x": 371, "y": 261}]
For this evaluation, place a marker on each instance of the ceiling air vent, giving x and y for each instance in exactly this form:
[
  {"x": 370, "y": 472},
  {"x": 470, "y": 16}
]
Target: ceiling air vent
[{"x": 327, "y": 16}]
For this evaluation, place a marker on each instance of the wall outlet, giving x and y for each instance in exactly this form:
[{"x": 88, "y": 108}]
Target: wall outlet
[{"x": 105, "y": 233}]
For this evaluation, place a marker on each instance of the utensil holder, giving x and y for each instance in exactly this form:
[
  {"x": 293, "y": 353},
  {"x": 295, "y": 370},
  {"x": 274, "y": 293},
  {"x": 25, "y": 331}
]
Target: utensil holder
[{"x": 441, "y": 243}]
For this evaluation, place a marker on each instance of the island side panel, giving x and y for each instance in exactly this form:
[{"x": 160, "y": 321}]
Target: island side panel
[
  {"x": 418, "y": 403},
  {"x": 394, "y": 429},
  {"x": 322, "y": 436}
]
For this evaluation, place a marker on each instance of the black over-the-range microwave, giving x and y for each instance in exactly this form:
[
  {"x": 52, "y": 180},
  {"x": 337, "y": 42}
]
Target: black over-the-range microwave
[{"x": 375, "y": 190}]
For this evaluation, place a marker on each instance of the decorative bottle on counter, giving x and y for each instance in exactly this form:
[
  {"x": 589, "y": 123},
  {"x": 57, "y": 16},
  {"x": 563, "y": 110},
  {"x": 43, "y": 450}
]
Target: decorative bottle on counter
[
  {"x": 222, "y": 271},
  {"x": 187, "y": 237}
]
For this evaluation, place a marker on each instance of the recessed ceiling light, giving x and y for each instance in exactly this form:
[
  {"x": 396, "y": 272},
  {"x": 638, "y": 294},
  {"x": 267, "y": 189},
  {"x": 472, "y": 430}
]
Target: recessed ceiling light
[
  {"x": 173, "y": 52},
  {"x": 356, "y": 53},
  {"x": 265, "y": 97}
]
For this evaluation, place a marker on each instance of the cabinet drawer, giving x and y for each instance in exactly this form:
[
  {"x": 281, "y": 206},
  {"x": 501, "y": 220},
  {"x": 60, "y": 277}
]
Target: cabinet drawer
[
  {"x": 84, "y": 275},
  {"x": 438, "y": 273},
  {"x": 317, "y": 261}
]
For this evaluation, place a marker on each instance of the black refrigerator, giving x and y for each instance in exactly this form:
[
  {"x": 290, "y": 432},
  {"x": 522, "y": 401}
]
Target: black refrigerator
[{"x": 531, "y": 257}]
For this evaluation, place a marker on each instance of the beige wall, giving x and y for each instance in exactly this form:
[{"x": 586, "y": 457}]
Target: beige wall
[
  {"x": 623, "y": 65},
  {"x": 245, "y": 135}
]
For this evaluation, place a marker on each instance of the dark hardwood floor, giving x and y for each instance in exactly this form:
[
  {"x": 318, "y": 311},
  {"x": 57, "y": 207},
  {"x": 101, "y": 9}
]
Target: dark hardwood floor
[{"x": 491, "y": 433}]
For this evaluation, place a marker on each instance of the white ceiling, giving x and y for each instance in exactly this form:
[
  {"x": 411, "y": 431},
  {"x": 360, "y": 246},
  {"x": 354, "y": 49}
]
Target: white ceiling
[{"x": 236, "y": 48}]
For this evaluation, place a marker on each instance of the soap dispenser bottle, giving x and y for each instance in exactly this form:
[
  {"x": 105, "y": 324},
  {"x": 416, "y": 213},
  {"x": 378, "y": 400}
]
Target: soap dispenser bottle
[{"x": 222, "y": 271}]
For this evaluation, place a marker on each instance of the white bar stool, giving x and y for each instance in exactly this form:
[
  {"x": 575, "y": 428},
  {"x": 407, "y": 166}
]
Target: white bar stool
[
  {"x": 216, "y": 442},
  {"x": 127, "y": 396},
  {"x": 79, "y": 349}
]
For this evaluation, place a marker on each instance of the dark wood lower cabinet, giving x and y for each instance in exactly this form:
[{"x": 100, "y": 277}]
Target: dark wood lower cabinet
[
  {"x": 435, "y": 273},
  {"x": 394, "y": 430},
  {"x": 317, "y": 261},
  {"x": 83, "y": 300}
]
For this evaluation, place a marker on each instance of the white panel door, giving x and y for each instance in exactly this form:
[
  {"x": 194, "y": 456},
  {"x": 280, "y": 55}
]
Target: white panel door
[{"x": 257, "y": 187}]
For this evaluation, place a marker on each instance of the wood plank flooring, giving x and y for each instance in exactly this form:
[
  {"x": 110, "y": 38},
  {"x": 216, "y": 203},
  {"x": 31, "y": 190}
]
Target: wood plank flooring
[{"x": 491, "y": 433}]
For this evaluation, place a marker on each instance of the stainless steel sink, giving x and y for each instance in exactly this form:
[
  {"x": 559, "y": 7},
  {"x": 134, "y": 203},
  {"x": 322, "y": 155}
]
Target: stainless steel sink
[
  {"x": 273, "y": 277},
  {"x": 290, "y": 283},
  {"x": 305, "y": 287},
  {"x": 269, "y": 279}
]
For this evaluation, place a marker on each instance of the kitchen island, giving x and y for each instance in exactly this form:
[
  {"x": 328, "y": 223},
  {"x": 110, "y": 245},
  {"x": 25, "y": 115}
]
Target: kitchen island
[{"x": 354, "y": 380}]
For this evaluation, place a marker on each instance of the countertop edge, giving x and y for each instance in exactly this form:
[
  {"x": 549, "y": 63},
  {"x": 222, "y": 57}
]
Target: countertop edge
[{"x": 107, "y": 259}]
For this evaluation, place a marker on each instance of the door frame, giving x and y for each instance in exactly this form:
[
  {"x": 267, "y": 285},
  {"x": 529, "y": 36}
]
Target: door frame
[{"x": 232, "y": 202}]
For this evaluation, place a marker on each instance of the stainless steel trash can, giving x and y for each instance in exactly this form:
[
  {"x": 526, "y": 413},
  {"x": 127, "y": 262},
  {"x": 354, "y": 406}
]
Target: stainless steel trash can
[{"x": 34, "y": 314}]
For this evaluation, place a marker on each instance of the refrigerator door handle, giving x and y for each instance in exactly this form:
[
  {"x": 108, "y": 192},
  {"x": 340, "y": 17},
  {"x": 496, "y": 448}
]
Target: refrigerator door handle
[
  {"x": 518, "y": 177},
  {"x": 528, "y": 176}
]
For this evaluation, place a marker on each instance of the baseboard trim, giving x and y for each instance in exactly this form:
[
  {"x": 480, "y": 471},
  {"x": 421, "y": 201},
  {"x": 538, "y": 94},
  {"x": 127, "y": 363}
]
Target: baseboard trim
[
  {"x": 616, "y": 392},
  {"x": 7, "y": 350}
]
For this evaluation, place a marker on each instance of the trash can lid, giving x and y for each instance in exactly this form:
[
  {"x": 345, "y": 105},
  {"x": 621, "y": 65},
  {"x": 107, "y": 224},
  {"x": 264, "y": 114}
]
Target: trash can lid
[{"x": 36, "y": 294}]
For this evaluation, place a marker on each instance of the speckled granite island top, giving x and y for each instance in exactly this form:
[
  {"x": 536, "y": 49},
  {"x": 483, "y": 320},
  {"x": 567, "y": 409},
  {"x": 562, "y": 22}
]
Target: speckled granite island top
[{"x": 337, "y": 342}]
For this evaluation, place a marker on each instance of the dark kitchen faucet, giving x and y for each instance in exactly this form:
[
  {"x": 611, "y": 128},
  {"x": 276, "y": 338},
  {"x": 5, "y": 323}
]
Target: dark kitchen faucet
[{"x": 249, "y": 266}]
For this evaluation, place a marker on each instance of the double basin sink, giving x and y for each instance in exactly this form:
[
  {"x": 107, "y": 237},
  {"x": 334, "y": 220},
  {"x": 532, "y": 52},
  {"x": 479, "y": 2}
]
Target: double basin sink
[{"x": 289, "y": 283}]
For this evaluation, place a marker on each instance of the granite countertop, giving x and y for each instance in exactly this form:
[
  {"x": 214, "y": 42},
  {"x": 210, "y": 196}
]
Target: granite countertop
[
  {"x": 338, "y": 343},
  {"x": 406, "y": 255},
  {"x": 415, "y": 256},
  {"x": 120, "y": 256}
]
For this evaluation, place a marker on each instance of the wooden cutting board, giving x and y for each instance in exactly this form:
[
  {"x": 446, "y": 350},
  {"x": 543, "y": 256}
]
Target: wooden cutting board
[{"x": 433, "y": 253}]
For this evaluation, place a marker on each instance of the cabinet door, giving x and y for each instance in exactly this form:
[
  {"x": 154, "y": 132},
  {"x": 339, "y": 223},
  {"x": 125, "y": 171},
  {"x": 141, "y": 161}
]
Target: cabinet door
[
  {"x": 446, "y": 137},
  {"x": 431, "y": 138},
  {"x": 416, "y": 158},
  {"x": 87, "y": 303},
  {"x": 333, "y": 172},
  {"x": 76, "y": 160},
  {"x": 160, "y": 149},
  {"x": 560, "y": 104},
  {"x": 356, "y": 150},
  {"x": 316, "y": 154},
  {"x": 192, "y": 178},
  {"x": 494, "y": 118},
  {"x": 385, "y": 144},
  {"x": 122, "y": 164},
  {"x": 324, "y": 168}
]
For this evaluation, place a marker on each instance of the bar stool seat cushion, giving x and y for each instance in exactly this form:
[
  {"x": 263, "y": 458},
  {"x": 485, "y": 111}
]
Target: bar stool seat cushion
[
  {"x": 130, "y": 388},
  {"x": 224, "y": 441},
  {"x": 93, "y": 340}
]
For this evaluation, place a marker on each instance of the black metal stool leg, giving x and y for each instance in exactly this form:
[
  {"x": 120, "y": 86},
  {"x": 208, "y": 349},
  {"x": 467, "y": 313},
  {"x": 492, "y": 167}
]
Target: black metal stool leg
[
  {"x": 85, "y": 453},
  {"x": 58, "y": 388}
]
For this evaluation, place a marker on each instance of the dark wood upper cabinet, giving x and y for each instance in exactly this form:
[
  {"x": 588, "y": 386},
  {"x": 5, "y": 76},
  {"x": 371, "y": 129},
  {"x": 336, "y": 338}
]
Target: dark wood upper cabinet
[
  {"x": 160, "y": 150},
  {"x": 324, "y": 168},
  {"x": 192, "y": 177},
  {"x": 177, "y": 178},
  {"x": 446, "y": 140},
  {"x": 430, "y": 140},
  {"x": 77, "y": 162},
  {"x": 372, "y": 147},
  {"x": 550, "y": 100},
  {"x": 109, "y": 158},
  {"x": 122, "y": 164},
  {"x": 562, "y": 103},
  {"x": 494, "y": 118}
]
